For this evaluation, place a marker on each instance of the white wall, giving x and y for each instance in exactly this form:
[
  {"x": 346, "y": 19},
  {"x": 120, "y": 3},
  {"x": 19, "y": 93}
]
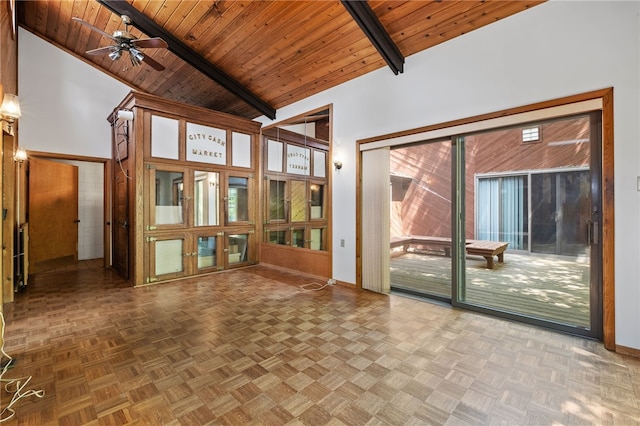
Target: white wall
[
  {"x": 553, "y": 50},
  {"x": 65, "y": 102}
]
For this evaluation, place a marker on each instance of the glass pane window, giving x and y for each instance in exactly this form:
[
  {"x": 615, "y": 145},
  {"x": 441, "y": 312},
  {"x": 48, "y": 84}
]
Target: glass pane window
[
  {"x": 421, "y": 207},
  {"x": 238, "y": 199},
  {"x": 275, "y": 154},
  {"x": 168, "y": 257},
  {"x": 164, "y": 138},
  {"x": 206, "y": 198},
  {"x": 238, "y": 245},
  {"x": 317, "y": 201},
  {"x": 277, "y": 237},
  {"x": 206, "y": 252},
  {"x": 298, "y": 160},
  {"x": 319, "y": 164},
  {"x": 297, "y": 238},
  {"x": 169, "y": 197},
  {"x": 316, "y": 239},
  {"x": 298, "y": 201},
  {"x": 503, "y": 210},
  {"x": 532, "y": 223},
  {"x": 277, "y": 200},
  {"x": 240, "y": 150}
]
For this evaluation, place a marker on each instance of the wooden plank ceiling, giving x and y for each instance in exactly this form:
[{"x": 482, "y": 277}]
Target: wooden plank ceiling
[{"x": 278, "y": 51}]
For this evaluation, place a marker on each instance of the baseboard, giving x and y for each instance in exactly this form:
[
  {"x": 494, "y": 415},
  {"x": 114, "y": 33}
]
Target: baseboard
[
  {"x": 628, "y": 351},
  {"x": 345, "y": 284},
  {"x": 294, "y": 271}
]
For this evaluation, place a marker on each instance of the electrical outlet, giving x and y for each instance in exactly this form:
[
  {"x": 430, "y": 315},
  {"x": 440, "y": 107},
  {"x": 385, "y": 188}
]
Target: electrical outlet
[{"x": 342, "y": 242}]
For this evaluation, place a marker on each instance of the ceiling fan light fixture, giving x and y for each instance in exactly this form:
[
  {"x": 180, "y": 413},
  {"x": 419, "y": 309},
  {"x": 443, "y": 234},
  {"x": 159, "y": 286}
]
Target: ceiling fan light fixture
[
  {"x": 124, "y": 41},
  {"x": 136, "y": 56},
  {"x": 139, "y": 56},
  {"x": 115, "y": 54}
]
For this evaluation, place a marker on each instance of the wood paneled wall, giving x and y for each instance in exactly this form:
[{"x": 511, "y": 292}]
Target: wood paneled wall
[{"x": 9, "y": 84}]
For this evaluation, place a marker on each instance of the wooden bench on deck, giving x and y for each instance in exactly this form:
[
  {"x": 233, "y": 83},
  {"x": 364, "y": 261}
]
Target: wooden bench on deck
[
  {"x": 486, "y": 249},
  {"x": 408, "y": 240}
]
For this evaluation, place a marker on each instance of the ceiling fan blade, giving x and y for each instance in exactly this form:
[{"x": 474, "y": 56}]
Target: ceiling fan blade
[
  {"x": 96, "y": 29},
  {"x": 153, "y": 63},
  {"x": 99, "y": 50},
  {"x": 155, "y": 42}
]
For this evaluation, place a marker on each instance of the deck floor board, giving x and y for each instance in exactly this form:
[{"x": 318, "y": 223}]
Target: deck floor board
[{"x": 554, "y": 288}]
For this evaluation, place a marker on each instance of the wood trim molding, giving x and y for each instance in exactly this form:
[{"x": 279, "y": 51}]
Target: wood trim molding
[
  {"x": 624, "y": 350},
  {"x": 597, "y": 94},
  {"x": 608, "y": 224},
  {"x": 608, "y": 236}
]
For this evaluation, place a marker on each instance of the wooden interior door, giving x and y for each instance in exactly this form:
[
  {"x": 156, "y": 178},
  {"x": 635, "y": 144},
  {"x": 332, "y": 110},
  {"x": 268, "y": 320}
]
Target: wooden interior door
[{"x": 53, "y": 211}]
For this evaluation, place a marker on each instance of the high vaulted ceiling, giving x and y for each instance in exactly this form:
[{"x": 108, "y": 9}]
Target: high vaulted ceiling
[{"x": 253, "y": 57}]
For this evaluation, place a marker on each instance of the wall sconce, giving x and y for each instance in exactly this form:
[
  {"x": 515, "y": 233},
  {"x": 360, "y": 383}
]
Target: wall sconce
[
  {"x": 10, "y": 109},
  {"x": 337, "y": 164},
  {"x": 20, "y": 155}
]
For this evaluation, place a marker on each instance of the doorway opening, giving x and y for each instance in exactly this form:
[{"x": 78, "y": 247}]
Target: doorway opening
[{"x": 79, "y": 208}]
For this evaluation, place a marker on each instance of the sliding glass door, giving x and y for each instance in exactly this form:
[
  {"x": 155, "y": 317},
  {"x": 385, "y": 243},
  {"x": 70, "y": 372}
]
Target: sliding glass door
[
  {"x": 503, "y": 221},
  {"x": 421, "y": 219},
  {"x": 529, "y": 229}
]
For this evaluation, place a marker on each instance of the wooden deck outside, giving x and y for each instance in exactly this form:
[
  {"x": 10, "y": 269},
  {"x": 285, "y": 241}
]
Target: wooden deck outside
[{"x": 553, "y": 288}]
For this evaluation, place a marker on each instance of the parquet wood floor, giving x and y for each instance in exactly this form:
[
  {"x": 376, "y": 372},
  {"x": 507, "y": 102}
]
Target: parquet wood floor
[{"x": 250, "y": 347}]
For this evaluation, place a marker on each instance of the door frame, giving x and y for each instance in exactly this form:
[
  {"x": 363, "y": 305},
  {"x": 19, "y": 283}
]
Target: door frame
[
  {"x": 602, "y": 97},
  {"x": 106, "y": 203}
]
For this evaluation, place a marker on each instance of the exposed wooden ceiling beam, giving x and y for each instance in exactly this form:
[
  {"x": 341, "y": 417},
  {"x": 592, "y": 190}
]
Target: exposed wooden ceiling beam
[
  {"x": 150, "y": 28},
  {"x": 370, "y": 24}
]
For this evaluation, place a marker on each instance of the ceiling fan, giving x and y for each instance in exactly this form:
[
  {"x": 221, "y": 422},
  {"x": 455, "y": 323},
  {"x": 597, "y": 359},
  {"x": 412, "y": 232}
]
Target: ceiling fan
[{"x": 123, "y": 41}]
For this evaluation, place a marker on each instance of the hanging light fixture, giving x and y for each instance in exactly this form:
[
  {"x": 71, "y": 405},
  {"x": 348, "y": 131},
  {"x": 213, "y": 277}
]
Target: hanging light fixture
[{"x": 115, "y": 54}]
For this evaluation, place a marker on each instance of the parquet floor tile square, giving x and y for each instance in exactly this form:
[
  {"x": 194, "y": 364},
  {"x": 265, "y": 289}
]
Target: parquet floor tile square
[{"x": 251, "y": 347}]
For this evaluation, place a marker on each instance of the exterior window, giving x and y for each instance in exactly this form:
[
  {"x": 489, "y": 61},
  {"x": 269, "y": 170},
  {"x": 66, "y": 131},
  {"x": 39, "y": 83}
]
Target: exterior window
[{"x": 503, "y": 210}]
